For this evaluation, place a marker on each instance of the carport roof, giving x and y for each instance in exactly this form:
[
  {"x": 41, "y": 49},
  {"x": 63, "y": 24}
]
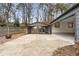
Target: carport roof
[
  {"x": 37, "y": 24},
  {"x": 68, "y": 11}
]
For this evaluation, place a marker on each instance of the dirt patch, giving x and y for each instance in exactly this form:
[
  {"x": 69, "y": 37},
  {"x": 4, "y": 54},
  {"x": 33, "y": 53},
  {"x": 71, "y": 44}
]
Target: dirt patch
[
  {"x": 14, "y": 36},
  {"x": 65, "y": 51}
]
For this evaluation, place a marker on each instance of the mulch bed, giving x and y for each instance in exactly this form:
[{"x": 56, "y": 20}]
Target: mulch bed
[{"x": 69, "y": 50}]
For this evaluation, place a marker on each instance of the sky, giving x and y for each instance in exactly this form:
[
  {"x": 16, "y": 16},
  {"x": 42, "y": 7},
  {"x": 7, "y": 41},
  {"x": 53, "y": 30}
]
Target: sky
[{"x": 34, "y": 13}]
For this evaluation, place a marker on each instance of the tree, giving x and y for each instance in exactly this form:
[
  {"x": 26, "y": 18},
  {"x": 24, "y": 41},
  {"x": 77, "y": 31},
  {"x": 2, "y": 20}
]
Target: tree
[
  {"x": 26, "y": 10},
  {"x": 7, "y": 13},
  {"x": 17, "y": 24},
  {"x": 21, "y": 7},
  {"x": 42, "y": 6},
  {"x": 29, "y": 12},
  {"x": 61, "y": 7},
  {"x": 50, "y": 10},
  {"x": 47, "y": 11}
]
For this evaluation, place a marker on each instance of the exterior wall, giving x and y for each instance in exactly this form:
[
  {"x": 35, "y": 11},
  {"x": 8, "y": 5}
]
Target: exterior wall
[
  {"x": 77, "y": 26},
  {"x": 49, "y": 29},
  {"x": 63, "y": 28}
]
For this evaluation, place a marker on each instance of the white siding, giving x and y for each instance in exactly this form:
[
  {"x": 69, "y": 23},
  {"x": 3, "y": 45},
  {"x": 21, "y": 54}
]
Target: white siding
[
  {"x": 63, "y": 28},
  {"x": 77, "y": 25}
]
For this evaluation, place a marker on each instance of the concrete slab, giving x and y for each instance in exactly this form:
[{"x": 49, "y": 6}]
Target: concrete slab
[{"x": 33, "y": 45}]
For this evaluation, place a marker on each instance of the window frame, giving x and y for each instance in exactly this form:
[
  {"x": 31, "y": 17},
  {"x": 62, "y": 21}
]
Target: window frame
[{"x": 57, "y": 25}]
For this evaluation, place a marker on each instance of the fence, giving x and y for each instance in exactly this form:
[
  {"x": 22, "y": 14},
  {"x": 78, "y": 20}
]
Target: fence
[{"x": 12, "y": 30}]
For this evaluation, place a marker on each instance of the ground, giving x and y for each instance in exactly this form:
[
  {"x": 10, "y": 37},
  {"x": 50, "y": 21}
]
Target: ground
[
  {"x": 35, "y": 45},
  {"x": 69, "y": 50}
]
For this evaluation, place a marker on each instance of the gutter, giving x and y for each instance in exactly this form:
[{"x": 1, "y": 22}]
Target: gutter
[{"x": 71, "y": 9}]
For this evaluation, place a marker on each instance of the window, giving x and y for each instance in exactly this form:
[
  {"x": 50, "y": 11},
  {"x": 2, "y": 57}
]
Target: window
[
  {"x": 70, "y": 24},
  {"x": 57, "y": 25}
]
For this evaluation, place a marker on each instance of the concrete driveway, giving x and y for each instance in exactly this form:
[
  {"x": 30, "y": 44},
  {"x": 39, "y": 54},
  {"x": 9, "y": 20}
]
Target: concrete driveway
[{"x": 34, "y": 45}]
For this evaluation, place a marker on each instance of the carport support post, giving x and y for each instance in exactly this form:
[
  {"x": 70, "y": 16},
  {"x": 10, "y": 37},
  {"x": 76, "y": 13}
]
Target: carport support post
[
  {"x": 50, "y": 29},
  {"x": 77, "y": 32}
]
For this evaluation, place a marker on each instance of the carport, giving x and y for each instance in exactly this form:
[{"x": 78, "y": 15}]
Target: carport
[
  {"x": 39, "y": 28},
  {"x": 67, "y": 24}
]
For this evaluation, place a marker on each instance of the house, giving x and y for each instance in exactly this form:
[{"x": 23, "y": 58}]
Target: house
[{"x": 67, "y": 23}]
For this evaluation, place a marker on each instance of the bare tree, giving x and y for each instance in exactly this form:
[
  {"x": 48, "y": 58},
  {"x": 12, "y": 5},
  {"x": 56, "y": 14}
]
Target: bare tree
[{"x": 7, "y": 12}]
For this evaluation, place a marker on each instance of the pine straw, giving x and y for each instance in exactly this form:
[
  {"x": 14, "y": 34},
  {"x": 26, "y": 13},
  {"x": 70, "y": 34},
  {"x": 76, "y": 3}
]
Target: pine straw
[{"x": 65, "y": 51}]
